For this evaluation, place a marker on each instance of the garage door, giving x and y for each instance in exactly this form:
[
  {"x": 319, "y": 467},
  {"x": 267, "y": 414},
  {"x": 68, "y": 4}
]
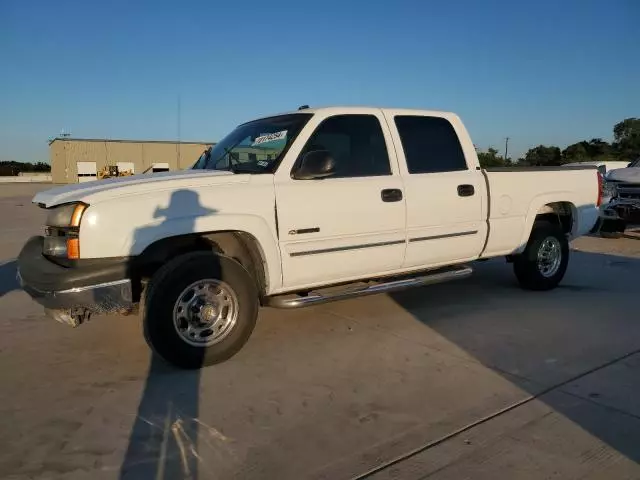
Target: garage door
[
  {"x": 87, "y": 172},
  {"x": 160, "y": 167}
]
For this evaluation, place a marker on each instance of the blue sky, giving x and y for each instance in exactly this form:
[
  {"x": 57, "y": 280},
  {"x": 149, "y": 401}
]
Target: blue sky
[{"x": 550, "y": 72}]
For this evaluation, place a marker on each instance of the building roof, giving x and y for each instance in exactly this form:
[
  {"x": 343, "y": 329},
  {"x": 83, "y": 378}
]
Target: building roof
[{"x": 116, "y": 140}]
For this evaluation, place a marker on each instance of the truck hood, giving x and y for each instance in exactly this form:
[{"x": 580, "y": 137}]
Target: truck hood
[
  {"x": 100, "y": 190},
  {"x": 628, "y": 175}
]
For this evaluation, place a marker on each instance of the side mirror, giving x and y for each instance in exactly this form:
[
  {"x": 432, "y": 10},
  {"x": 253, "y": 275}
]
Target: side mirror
[{"x": 315, "y": 164}]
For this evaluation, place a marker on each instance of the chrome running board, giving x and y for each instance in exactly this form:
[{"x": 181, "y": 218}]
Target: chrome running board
[{"x": 316, "y": 297}]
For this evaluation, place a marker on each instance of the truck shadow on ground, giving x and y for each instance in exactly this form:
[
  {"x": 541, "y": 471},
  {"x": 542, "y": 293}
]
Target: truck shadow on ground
[
  {"x": 163, "y": 440},
  {"x": 163, "y": 437},
  {"x": 8, "y": 280},
  {"x": 536, "y": 352}
]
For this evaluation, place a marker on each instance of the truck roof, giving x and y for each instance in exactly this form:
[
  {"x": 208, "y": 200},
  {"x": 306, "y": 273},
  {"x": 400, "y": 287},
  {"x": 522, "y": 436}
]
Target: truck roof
[{"x": 365, "y": 110}]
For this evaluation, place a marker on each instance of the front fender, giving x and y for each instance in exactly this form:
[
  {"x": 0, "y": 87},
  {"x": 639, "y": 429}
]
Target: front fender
[
  {"x": 144, "y": 236},
  {"x": 124, "y": 227}
]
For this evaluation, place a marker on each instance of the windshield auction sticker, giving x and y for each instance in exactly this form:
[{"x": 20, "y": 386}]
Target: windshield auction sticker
[{"x": 270, "y": 137}]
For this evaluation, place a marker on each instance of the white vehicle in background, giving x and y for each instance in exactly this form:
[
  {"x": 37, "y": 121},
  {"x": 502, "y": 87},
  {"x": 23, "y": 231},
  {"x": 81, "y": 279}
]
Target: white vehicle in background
[
  {"x": 622, "y": 199},
  {"x": 362, "y": 200},
  {"x": 604, "y": 166}
]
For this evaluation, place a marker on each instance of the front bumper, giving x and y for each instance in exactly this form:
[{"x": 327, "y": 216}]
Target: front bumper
[
  {"x": 100, "y": 298},
  {"x": 609, "y": 222},
  {"x": 626, "y": 209},
  {"x": 99, "y": 286}
]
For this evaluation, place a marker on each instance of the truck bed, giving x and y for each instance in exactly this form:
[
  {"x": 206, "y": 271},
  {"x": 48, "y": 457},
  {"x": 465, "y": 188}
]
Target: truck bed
[
  {"x": 540, "y": 169},
  {"x": 515, "y": 198}
]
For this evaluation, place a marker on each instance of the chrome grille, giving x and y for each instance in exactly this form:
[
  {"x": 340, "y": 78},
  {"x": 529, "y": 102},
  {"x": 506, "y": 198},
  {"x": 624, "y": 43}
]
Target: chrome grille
[{"x": 629, "y": 191}]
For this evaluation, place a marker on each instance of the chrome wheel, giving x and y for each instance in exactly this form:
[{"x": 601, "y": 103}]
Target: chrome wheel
[
  {"x": 549, "y": 257},
  {"x": 205, "y": 312}
]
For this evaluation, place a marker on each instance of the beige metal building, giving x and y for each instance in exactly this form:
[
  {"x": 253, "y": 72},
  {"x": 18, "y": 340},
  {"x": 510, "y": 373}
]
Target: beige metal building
[{"x": 76, "y": 160}]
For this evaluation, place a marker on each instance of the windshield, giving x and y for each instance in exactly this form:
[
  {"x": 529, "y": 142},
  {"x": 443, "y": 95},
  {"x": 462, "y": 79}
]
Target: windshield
[
  {"x": 254, "y": 147},
  {"x": 635, "y": 163}
]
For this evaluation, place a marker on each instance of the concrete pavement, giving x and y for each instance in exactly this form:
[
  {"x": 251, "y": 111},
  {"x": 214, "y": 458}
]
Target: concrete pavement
[{"x": 338, "y": 390}]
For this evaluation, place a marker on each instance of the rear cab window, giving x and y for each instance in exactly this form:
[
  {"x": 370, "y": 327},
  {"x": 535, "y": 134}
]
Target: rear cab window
[{"x": 430, "y": 144}]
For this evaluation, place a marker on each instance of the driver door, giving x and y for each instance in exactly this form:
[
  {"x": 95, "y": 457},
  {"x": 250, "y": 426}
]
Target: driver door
[{"x": 351, "y": 224}]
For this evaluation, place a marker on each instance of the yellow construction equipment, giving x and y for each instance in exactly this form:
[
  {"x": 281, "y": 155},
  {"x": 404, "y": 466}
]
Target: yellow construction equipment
[{"x": 112, "y": 171}]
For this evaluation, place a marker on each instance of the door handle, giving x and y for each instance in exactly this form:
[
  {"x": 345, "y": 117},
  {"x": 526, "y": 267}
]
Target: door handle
[
  {"x": 391, "y": 195},
  {"x": 466, "y": 190}
]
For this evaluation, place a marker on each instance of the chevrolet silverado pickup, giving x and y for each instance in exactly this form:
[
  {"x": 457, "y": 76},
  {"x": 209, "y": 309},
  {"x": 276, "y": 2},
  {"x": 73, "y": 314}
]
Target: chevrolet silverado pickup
[{"x": 294, "y": 210}]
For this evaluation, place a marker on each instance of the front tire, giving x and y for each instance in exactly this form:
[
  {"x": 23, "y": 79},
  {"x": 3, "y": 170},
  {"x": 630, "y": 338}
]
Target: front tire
[
  {"x": 544, "y": 261},
  {"x": 200, "y": 310}
]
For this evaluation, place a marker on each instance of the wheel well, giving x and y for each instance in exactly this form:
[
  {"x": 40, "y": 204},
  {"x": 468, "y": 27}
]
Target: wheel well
[
  {"x": 559, "y": 213},
  {"x": 240, "y": 246}
]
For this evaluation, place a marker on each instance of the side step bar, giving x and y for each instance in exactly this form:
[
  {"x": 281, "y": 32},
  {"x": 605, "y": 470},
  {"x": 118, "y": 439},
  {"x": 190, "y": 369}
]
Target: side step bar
[{"x": 430, "y": 278}]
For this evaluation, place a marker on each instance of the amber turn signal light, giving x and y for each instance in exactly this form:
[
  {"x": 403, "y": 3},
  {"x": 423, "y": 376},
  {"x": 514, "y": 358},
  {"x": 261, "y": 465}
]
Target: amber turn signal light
[
  {"x": 73, "y": 248},
  {"x": 77, "y": 214}
]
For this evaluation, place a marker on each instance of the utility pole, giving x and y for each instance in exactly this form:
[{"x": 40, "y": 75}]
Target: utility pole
[
  {"x": 178, "y": 145},
  {"x": 64, "y": 135},
  {"x": 506, "y": 148}
]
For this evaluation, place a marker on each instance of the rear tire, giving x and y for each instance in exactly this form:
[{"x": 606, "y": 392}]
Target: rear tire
[
  {"x": 200, "y": 310},
  {"x": 544, "y": 261}
]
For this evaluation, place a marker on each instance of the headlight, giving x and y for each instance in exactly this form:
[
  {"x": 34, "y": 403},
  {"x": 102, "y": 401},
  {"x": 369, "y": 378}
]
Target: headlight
[
  {"x": 63, "y": 227},
  {"x": 610, "y": 189},
  {"x": 55, "y": 246},
  {"x": 66, "y": 215}
]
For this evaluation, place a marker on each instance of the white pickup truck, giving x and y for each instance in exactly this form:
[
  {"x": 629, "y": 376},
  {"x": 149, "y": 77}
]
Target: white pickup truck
[{"x": 294, "y": 210}]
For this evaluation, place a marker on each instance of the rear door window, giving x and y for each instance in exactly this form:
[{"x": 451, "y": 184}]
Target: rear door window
[{"x": 430, "y": 144}]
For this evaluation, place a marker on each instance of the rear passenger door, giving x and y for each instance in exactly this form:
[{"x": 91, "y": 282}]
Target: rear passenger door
[{"x": 445, "y": 222}]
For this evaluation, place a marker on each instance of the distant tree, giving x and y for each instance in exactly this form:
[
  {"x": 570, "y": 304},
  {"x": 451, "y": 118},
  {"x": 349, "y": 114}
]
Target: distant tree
[
  {"x": 626, "y": 135},
  {"x": 14, "y": 168},
  {"x": 594, "y": 149},
  {"x": 575, "y": 153},
  {"x": 41, "y": 167},
  {"x": 597, "y": 148},
  {"x": 543, "y": 156},
  {"x": 490, "y": 158}
]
